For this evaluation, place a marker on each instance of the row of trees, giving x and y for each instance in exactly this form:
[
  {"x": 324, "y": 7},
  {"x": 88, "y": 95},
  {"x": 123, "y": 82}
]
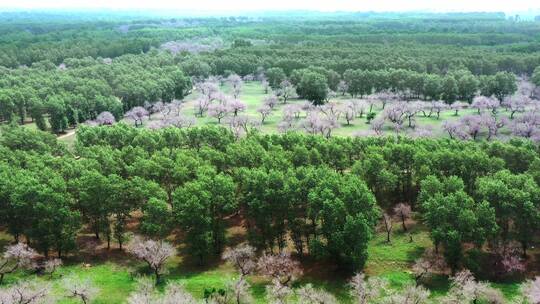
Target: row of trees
[
  {"x": 82, "y": 89},
  {"x": 325, "y": 196}
]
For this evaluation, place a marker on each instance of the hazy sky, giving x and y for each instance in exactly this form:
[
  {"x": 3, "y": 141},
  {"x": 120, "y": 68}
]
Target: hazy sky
[{"x": 321, "y": 5}]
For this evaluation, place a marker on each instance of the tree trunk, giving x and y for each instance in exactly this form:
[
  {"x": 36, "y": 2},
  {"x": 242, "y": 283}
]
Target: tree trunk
[{"x": 403, "y": 222}]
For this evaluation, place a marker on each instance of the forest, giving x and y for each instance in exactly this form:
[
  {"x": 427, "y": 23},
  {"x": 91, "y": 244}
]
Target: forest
[{"x": 290, "y": 158}]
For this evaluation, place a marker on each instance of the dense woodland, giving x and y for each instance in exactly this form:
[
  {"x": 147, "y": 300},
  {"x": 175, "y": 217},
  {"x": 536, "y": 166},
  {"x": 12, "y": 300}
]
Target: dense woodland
[{"x": 155, "y": 191}]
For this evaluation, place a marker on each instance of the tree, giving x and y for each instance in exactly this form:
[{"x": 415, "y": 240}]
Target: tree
[
  {"x": 27, "y": 292},
  {"x": 387, "y": 225},
  {"x": 283, "y": 271},
  {"x": 348, "y": 214},
  {"x": 531, "y": 290},
  {"x": 153, "y": 253},
  {"x": 342, "y": 87},
  {"x": 200, "y": 207},
  {"x": 51, "y": 265},
  {"x": 403, "y": 211},
  {"x": 515, "y": 199},
  {"x": 465, "y": 289},
  {"x": 454, "y": 218},
  {"x": 449, "y": 89},
  {"x": 157, "y": 221},
  {"x": 218, "y": 110},
  {"x": 313, "y": 87},
  {"x": 286, "y": 91},
  {"x": 137, "y": 115},
  {"x": 457, "y": 106},
  {"x": 270, "y": 101},
  {"x": 18, "y": 256},
  {"x": 516, "y": 104},
  {"x": 429, "y": 263},
  {"x": 83, "y": 291},
  {"x": 500, "y": 85},
  {"x": 57, "y": 114},
  {"x": 309, "y": 295},
  {"x": 146, "y": 293},
  {"x": 535, "y": 79},
  {"x": 236, "y": 83},
  {"x": 243, "y": 259},
  {"x": 275, "y": 77},
  {"x": 365, "y": 291},
  {"x": 236, "y": 106},
  {"x": 410, "y": 294},
  {"x": 95, "y": 191},
  {"x": 105, "y": 118}
]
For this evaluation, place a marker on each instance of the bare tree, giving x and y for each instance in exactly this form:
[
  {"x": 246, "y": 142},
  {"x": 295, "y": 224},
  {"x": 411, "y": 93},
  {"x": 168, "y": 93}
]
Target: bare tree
[
  {"x": 242, "y": 258},
  {"x": 403, "y": 211},
  {"x": 236, "y": 106},
  {"x": 147, "y": 294},
  {"x": 154, "y": 253},
  {"x": 283, "y": 271},
  {"x": 483, "y": 103},
  {"x": 309, "y": 295},
  {"x": 465, "y": 289},
  {"x": 342, "y": 88},
  {"x": 348, "y": 111},
  {"x": 51, "y": 265},
  {"x": 411, "y": 294},
  {"x": 526, "y": 125},
  {"x": 137, "y": 115},
  {"x": 82, "y": 290},
  {"x": 396, "y": 114},
  {"x": 457, "y": 106},
  {"x": 437, "y": 107},
  {"x": 236, "y": 83},
  {"x": 517, "y": 103},
  {"x": 471, "y": 125},
  {"x": 27, "y": 292},
  {"x": 387, "y": 225},
  {"x": 264, "y": 111},
  {"x": 18, "y": 256},
  {"x": 286, "y": 91},
  {"x": 291, "y": 111},
  {"x": 218, "y": 111},
  {"x": 201, "y": 105},
  {"x": 105, "y": 119},
  {"x": 365, "y": 291},
  {"x": 207, "y": 89},
  {"x": 531, "y": 290},
  {"x": 425, "y": 266},
  {"x": 493, "y": 124},
  {"x": 454, "y": 129},
  {"x": 265, "y": 84},
  {"x": 271, "y": 101},
  {"x": 377, "y": 125},
  {"x": 239, "y": 288}
]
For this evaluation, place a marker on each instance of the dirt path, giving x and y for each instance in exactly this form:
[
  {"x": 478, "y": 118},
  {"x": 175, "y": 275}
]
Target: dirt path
[{"x": 69, "y": 133}]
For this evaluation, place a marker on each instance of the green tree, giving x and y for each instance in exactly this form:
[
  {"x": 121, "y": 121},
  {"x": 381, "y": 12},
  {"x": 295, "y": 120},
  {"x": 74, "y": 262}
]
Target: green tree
[
  {"x": 200, "y": 207},
  {"x": 157, "y": 220},
  {"x": 346, "y": 213},
  {"x": 516, "y": 201},
  {"x": 275, "y": 77},
  {"x": 313, "y": 87},
  {"x": 454, "y": 218}
]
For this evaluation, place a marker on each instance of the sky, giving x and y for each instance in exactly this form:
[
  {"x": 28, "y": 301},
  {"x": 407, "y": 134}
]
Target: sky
[{"x": 257, "y": 5}]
